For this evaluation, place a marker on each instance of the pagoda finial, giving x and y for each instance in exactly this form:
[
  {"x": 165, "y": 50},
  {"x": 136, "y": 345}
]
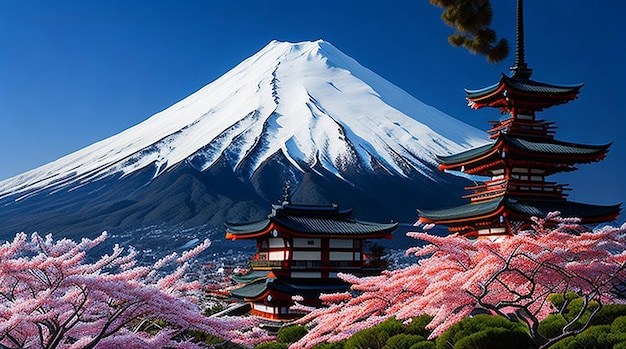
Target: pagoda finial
[{"x": 520, "y": 69}]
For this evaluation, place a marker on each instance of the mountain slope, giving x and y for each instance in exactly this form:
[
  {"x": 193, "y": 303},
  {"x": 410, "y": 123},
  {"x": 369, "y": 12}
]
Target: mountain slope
[{"x": 303, "y": 112}]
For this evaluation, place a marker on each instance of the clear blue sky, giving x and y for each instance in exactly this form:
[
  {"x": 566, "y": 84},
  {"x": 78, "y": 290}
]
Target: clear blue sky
[{"x": 75, "y": 72}]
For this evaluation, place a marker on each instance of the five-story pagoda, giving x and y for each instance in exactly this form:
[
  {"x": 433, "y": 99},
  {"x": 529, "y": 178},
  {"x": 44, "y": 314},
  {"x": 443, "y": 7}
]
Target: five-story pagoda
[{"x": 523, "y": 154}]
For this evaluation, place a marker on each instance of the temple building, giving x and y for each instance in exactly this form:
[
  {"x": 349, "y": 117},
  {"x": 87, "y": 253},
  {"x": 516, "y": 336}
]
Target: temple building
[
  {"x": 513, "y": 170},
  {"x": 301, "y": 248}
]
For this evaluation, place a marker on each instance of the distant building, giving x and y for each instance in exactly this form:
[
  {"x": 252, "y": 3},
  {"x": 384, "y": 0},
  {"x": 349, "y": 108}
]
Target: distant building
[
  {"x": 301, "y": 248},
  {"x": 514, "y": 168}
]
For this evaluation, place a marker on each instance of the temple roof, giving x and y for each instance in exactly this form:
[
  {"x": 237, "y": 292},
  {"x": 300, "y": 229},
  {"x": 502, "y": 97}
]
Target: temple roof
[
  {"x": 540, "y": 94},
  {"x": 524, "y": 208},
  {"x": 567, "y": 152},
  {"x": 478, "y": 209},
  {"x": 523, "y": 85},
  {"x": 308, "y": 288},
  {"x": 554, "y": 147},
  {"x": 251, "y": 290},
  {"x": 311, "y": 220}
]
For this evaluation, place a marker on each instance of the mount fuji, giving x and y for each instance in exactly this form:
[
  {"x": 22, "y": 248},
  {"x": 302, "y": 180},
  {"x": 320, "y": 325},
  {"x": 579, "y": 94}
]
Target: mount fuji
[{"x": 303, "y": 113}]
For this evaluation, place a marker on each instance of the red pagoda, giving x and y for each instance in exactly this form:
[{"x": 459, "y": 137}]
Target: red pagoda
[
  {"x": 301, "y": 248},
  {"x": 523, "y": 154}
]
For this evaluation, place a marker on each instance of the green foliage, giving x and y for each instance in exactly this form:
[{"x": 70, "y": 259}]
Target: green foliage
[
  {"x": 619, "y": 325},
  {"x": 608, "y": 314},
  {"x": 271, "y": 345},
  {"x": 569, "y": 306},
  {"x": 552, "y": 326},
  {"x": 485, "y": 331},
  {"x": 403, "y": 341},
  {"x": 471, "y": 20},
  {"x": 495, "y": 338},
  {"x": 371, "y": 338},
  {"x": 559, "y": 299},
  {"x": 418, "y": 326},
  {"x": 390, "y": 333},
  {"x": 611, "y": 336},
  {"x": 291, "y": 334},
  {"x": 423, "y": 345}
]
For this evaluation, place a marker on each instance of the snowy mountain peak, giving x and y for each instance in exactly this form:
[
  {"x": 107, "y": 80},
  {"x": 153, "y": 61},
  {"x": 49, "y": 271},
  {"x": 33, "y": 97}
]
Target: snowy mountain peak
[{"x": 306, "y": 101}]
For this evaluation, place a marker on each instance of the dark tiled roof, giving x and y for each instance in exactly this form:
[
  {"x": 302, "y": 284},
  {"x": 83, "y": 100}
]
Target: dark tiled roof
[
  {"x": 308, "y": 288},
  {"x": 463, "y": 211},
  {"x": 525, "y": 208},
  {"x": 524, "y": 85},
  {"x": 318, "y": 225},
  {"x": 527, "y": 85},
  {"x": 539, "y": 146},
  {"x": 251, "y": 290},
  {"x": 541, "y": 208},
  {"x": 466, "y": 155},
  {"x": 235, "y": 228},
  {"x": 313, "y": 220},
  {"x": 251, "y": 276},
  {"x": 554, "y": 147}
]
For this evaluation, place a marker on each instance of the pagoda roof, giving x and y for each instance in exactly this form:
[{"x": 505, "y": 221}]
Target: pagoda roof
[
  {"x": 554, "y": 147},
  {"x": 588, "y": 213},
  {"x": 251, "y": 290},
  {"x": 544, "y": 146},
  {"x": 526, "y": 208},
  {"x": 310, "y": 220},
  {"x": 517, "y": 88},
  {"x": 308, "y": 288},
  {"x": 452, "y": 214}
]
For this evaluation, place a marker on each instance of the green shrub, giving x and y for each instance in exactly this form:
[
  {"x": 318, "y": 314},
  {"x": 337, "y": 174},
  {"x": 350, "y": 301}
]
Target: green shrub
[
  {"x": 619, "y": 325},
  {"x": 515, "y": 334},
  {"x": 391, "y": 326},
  {"x": 371, "y": 338},
  {"x": 418, "y": 326},
  {"x": 423, "y": 345},
  {"x": 403, "y": 341},
  {"x": 291, "y": 334},
  {"x": 574, "y": 307},
  {"x": 608, "y": 314},
  {"x": 558, "y": 300},
  {"x": 552, "y": 326},
  {"x": 595, "y": 337},
  {"x": 495, "y": 338},
  {"x": 375, "y": 337}
]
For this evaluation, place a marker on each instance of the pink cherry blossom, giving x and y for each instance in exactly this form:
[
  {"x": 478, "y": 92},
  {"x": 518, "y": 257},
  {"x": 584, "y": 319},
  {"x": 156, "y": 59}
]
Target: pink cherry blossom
[
  {"x": 512, "y": 277},
  {"x": 51, "y": 297}
]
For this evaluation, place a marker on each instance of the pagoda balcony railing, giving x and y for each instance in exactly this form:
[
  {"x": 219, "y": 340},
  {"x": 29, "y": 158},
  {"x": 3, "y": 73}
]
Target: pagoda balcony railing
[
  {"x": 266, "y": 264},
  {"x": 544, "y": 189},
  {"x": 258, "y": 264},
  {"x": 487, "y": 191}
]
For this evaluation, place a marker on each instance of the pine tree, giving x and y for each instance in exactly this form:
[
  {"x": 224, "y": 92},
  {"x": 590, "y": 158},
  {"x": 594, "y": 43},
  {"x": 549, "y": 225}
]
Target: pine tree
[{"x": 471, "y": 19}]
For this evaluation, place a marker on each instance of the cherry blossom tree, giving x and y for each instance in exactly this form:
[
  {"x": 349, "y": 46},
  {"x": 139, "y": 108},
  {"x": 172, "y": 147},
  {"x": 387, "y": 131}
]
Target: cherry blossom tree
[
  {"x": 512, "y": 277},
  {"x": 52, "y": 297}
]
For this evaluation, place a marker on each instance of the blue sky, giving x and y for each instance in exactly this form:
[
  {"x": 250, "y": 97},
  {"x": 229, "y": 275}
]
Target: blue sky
[{"x": 75, "y": 72}]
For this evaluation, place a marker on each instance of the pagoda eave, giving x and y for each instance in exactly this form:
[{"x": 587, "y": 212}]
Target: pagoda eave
[
  {"x": 588, "y": 213},
  {"x": 381, "y": 234},
  {"x": 526, "y": 94},
  {"x": 481, "y": 211}
]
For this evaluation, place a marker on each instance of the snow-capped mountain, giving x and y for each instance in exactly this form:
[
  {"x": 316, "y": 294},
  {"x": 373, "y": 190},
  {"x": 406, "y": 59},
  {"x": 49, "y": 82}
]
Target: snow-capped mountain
[{"x": 303, "y": 112}]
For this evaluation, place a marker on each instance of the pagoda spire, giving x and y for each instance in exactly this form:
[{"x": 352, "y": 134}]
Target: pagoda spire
[{"x": 520, "y": 69}]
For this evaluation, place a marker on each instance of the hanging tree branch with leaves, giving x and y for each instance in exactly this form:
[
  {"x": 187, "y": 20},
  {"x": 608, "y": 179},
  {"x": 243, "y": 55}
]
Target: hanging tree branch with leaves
[{"x": 472, "y": 19}]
